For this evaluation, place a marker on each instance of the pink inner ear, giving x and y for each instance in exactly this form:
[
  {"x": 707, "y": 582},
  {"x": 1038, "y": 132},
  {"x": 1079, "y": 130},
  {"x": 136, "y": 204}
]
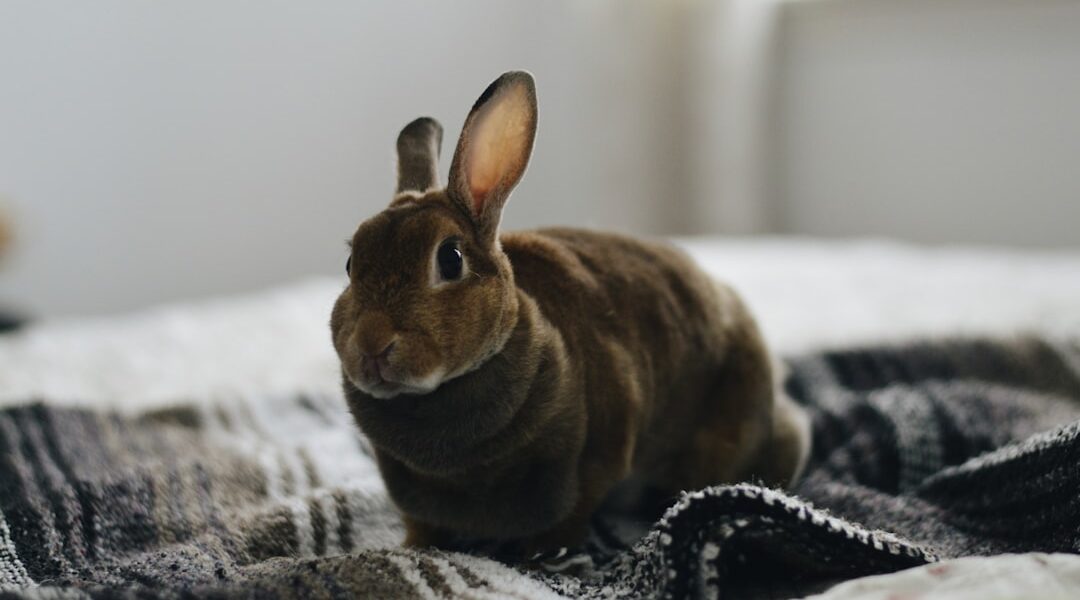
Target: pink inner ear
[
  {"x": 498, "y": 149},
  {"x": 479, "y": 195}
]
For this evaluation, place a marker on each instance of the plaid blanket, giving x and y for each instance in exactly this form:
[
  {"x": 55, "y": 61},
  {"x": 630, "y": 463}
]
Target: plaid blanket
[{"x": 922, "y": 451}]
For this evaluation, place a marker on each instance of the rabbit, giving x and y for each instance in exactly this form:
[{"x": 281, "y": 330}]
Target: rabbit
[{"x": 508, "y": 381}]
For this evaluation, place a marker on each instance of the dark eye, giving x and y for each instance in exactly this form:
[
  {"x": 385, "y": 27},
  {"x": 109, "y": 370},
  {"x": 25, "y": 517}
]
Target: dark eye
[
  {"x": 449, "y": 259},
  {"x": 348, "y": 265}
]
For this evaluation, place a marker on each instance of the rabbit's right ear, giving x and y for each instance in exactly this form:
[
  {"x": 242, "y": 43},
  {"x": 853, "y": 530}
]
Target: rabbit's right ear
[
  {"x": 494, "y": 149},
  {"x": 418, "y": 155}
]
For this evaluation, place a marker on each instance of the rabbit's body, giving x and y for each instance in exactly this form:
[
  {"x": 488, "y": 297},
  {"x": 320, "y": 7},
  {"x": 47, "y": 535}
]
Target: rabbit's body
[{"x": 505, "y": 402}]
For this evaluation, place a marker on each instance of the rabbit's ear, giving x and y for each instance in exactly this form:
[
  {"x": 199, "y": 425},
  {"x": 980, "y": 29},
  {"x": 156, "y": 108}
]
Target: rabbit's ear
[
  {"x": 494, "y": 148},
  {"x": 418, "y": 155}
]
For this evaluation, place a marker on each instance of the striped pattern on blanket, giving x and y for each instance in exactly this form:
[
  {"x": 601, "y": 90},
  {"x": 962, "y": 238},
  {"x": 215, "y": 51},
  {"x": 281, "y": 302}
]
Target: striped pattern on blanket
[{"x": 921, "y": 451}]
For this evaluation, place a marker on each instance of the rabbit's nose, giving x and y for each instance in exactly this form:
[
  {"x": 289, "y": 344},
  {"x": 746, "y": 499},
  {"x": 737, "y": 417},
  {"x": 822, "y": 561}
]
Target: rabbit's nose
[{"x": 376, "y": 366}]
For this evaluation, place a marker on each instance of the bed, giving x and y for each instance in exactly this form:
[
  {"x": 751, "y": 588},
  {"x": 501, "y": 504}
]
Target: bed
[{"x": 240, "y": 359}]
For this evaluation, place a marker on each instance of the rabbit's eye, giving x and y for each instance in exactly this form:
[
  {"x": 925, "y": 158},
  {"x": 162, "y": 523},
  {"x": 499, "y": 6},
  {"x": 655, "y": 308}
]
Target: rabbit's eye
[
  {"x": 348, "y": 265},
  {"x": 449, "y": 259}
]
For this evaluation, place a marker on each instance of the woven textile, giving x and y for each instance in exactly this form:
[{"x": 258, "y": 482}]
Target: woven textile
[{"x": 922, "y": 451}]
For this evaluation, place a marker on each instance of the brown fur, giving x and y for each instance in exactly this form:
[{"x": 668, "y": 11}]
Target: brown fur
[{"x": 561, "y": 362}]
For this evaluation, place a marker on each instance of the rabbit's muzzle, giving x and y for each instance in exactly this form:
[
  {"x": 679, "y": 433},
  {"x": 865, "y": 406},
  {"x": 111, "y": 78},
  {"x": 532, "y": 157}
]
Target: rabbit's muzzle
[
  {"x": 384, "y": 362},
  {"x": 376, "y": 367}
]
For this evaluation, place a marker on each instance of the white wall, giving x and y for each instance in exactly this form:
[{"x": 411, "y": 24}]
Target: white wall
[
  {"x": 732, "y": 53},
  {"x": 151, "y": 151},
  {"x": 155, "y": 151},
  {"x": 931, "y": 120}
]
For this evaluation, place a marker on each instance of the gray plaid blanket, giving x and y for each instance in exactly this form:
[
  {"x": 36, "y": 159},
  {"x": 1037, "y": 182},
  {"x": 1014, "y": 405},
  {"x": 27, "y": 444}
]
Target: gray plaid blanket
[{"x": 922, "y": 451}]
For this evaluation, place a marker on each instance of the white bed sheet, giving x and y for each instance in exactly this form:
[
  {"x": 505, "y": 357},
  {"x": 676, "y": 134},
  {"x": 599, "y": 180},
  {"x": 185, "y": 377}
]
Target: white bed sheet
[{"x": 807, "y": 294}]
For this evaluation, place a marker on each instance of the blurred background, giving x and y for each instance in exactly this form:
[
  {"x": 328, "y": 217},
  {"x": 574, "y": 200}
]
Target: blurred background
[{"x": 159, "y": 151}]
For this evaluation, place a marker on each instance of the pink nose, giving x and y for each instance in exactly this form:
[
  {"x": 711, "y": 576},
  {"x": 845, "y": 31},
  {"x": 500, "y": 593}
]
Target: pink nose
[{"x": 376, "y": 364}]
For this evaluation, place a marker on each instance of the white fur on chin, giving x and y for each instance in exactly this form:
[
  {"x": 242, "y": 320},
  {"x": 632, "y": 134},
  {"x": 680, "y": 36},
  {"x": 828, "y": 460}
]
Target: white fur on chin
[{"x": 414, "y": 387}]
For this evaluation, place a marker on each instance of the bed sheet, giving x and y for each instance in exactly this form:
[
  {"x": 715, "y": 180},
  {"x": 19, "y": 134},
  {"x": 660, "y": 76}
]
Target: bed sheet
[{"x": 808, "y": 294}]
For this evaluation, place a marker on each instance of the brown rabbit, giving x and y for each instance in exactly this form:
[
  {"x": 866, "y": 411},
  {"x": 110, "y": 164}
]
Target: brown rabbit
[{"x": 508, "y": 382}]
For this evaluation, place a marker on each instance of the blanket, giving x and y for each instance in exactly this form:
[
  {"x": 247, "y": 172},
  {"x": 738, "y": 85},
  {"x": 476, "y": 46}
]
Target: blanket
[{"x": 922, "y": 451}]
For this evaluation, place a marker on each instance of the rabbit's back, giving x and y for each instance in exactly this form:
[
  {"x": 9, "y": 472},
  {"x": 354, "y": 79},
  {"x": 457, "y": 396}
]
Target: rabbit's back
[{"x": 647, "y": 327}]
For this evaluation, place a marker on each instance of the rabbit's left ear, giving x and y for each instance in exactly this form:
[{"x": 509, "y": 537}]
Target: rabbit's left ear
[
  {"x": 494, "y": 149},
  {"x": 418, "y": 155}
]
